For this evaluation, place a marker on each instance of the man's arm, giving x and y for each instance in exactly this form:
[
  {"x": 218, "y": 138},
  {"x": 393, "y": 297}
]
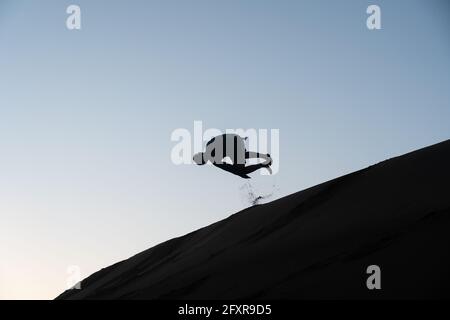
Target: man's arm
[{"x": 237, "y": 170}]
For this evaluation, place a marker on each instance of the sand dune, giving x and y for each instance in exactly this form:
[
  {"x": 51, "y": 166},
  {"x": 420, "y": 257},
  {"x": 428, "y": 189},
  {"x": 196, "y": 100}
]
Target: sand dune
[{"x": 316, "y": 243}]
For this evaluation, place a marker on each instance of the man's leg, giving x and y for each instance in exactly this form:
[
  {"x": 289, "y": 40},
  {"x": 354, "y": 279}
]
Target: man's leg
[
  {"x": 257, "y": 155},
  {"x": 251, "y": 168},
  {"x": 242, "y": 170}
]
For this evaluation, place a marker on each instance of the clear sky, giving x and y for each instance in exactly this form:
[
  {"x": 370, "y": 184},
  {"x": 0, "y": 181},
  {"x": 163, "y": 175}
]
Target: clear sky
[{"x": 86, "y": 116}]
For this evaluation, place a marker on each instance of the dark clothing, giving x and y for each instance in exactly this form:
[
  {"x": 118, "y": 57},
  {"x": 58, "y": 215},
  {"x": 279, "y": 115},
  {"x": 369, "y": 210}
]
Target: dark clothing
[
  {"x": 226, "y": 145},
  {"x": 233, "y": 147}
]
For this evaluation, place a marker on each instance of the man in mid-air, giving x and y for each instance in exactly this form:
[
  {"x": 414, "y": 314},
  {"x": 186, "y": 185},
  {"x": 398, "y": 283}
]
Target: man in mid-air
[{"x": 232, "y": 147}]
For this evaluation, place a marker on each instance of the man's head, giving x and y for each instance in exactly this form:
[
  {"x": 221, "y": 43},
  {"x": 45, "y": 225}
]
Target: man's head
[{"x": 199, "y": 158}]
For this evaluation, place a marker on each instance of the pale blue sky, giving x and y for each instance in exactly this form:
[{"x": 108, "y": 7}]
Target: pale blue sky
[{"x": 86, "y": 116}]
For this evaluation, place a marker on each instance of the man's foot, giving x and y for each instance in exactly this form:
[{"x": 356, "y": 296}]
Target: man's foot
[
  {"x": 268, "y": 162},
  {"x": 268, "y": 168}
]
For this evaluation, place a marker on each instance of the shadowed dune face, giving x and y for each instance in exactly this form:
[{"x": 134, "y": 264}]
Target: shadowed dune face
[{"x": 313, "y": 244}]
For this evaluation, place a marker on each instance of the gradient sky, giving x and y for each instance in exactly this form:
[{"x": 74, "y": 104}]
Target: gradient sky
[{"x": 86, "y": 116}]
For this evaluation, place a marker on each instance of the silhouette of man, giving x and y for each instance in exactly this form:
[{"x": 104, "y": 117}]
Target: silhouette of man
[{"x": 231, "y": 146}]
